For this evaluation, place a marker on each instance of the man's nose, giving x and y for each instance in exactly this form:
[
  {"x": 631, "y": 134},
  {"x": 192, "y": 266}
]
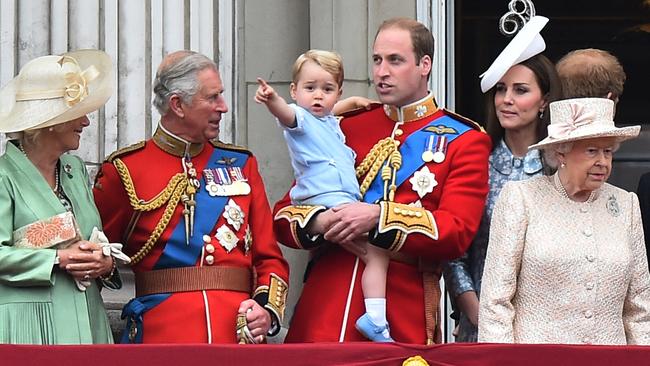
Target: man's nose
[
  {"x": 222, "y": 106},
  {"x": 381, "y": 69}
]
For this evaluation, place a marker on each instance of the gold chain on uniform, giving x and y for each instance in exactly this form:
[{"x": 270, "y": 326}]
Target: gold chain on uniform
[
  {"x": 171, "y": 195},
  {"x": 386, "y": 149}
]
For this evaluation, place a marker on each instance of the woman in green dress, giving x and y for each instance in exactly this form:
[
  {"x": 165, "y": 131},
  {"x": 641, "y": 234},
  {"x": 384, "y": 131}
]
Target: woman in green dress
[{"x": 50, "y": 276}]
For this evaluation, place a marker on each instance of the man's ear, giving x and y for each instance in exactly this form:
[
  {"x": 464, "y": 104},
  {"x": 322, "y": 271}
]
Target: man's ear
[
  {"x": 176, "y": 106},
  {"x": 425, "y": 64}
]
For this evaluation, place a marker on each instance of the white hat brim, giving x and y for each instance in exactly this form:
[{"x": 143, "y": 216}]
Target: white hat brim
[
  {"x": 525, "y": 44},
  {"x": 35, "y": 114}
]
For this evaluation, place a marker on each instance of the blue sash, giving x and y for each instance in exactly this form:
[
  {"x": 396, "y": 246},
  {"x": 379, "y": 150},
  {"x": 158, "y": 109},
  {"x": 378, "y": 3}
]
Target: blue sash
[
  {"x": 208, "y": 209},
  {"x": 177, "y": 253},
  {"x": 412, "y": 150},
  {"x": 133, "y": 312}
]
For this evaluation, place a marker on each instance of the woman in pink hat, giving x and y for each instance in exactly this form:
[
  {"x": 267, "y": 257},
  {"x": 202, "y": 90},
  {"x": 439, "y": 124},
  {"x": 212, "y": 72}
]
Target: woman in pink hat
[
  {"x": 566, "y": 261},
  {"x": 52, "y": 260}
]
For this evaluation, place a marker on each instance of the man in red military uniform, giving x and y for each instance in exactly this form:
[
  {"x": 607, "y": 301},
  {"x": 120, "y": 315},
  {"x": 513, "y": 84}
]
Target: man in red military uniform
[
  {"x": 423, "y": 174},
  {"x": 194, "y": 217}
]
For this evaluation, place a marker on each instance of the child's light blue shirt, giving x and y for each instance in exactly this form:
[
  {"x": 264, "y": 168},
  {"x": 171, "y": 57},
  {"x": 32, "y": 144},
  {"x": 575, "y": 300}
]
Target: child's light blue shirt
[{"x": 323, "y": 164}]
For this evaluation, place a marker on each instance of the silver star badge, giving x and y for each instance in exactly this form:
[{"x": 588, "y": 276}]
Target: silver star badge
[
  {"x": 233, "y": 214},
  {"x": 227, "y": 238},
  {"x": 423, "y": 181}
]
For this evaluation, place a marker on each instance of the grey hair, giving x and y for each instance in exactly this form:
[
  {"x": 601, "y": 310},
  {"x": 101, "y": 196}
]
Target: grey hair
[
  {"x": 179, "y": 77},
  {"x": 551, "y": 152}
]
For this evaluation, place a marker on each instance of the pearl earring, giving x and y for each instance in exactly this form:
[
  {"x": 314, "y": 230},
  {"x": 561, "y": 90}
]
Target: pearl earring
[
  {"x": 541, "y": 114},
  {"x": 562, "y": 165}
]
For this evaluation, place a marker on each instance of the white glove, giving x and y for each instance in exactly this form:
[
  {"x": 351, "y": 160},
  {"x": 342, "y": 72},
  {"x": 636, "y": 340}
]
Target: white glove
[{"x": 108, "y": 249}]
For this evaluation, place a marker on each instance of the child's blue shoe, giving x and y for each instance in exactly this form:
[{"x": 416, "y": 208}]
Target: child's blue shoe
[{"x": 373, "y": 331}]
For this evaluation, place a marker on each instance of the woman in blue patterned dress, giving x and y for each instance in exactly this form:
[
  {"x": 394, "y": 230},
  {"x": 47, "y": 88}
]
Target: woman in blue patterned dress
[{"x": 518, "y": 91}]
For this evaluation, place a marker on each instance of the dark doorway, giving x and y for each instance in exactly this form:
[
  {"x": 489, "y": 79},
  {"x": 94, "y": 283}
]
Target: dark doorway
[{"x": 620, "y": 27}]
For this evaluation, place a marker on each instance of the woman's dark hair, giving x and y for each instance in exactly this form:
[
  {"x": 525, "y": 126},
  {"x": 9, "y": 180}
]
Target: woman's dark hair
[{"x": 548, "y": 81}]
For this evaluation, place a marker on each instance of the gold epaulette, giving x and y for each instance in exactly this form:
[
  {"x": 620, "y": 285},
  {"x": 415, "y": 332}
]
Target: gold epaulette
[
  {"x": 222, "y": 145},
  {"x": 475, "y": 125},
  {"x": 406, "y": 219},
  {"x": 300, "y": 214},
  {"x": 125, "y": 150}
]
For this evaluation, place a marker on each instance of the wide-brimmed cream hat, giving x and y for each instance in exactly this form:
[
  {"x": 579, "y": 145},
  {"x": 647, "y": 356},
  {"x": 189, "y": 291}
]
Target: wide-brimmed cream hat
[
  {"x": 526, "y": 44},
  {"x": 54, "y": 89},
  {"x": 583, "y": 118}
]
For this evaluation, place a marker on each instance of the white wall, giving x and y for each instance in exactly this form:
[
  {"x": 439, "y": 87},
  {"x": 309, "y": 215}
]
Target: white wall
[{"x": 136, "y": 34}]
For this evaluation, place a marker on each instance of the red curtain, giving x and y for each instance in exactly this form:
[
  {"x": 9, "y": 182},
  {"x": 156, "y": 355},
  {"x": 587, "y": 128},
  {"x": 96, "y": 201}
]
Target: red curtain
[{"x": 322, "y": 354}]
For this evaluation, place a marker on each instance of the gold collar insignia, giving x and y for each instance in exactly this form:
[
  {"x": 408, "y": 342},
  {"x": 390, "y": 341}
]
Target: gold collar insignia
[
  {"x": 414, "y": 111},
  {"x": 175, "y": 145}
]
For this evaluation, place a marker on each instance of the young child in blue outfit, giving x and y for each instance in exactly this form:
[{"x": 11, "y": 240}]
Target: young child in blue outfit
[{"x": 324, "y": 166}]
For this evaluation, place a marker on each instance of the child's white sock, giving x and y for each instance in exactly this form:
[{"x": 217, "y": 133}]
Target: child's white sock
[{"x": 376, "y": 309}]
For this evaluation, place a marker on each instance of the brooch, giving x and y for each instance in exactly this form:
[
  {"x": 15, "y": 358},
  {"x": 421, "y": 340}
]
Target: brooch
[{"x": 612, "y": 206}]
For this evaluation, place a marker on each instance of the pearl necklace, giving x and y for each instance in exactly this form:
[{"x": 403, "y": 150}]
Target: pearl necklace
[{"x": 563, "y": 193}]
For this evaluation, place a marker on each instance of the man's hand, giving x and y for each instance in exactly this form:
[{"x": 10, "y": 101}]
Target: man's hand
[
  {"x": 258, "y": 319},
  {"x": 265, "y": 93},
  {"x": 352, "y": 222}
]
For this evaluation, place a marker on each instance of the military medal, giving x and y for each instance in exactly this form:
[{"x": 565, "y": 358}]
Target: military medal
[
  {"x": 427, "y": 155},
  {"x": 210, "y": 185},
  {"x": 423, "y": 181},
  {"x": 239, "y": 184},
  {"x": 440, "y": 149},
  {"x": 226, "y": 181},
  {"x": 227, "y": 238},
  {"x": 233, "y": 214}
]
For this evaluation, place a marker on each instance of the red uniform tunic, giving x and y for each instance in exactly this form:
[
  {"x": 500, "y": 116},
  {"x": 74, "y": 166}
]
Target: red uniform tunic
[
  {"x": 332, "y": 298},
  {"x": 192, "y": 316}
]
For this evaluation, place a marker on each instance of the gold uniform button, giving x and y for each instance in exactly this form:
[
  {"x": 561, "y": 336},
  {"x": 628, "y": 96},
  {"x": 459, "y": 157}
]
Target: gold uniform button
[
  {"x": 206, "y": 238},
  {"x": 209, "y": 248},
  {"x": 209, "y": 259},
  {"x": 398, "y": 132},
  {"x": 397, "y": 142}
]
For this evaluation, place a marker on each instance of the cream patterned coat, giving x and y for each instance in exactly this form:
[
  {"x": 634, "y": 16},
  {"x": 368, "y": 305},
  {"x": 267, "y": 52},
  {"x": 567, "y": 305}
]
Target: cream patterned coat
[{"x": 559, "y": 271}]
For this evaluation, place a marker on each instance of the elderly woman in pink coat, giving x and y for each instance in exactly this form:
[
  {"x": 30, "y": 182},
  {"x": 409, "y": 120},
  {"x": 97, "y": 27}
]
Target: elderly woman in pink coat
[{"x": 566, "y": 260}]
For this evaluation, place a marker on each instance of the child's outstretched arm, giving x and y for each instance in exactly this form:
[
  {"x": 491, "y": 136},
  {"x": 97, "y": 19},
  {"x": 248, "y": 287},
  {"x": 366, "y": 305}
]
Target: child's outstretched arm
[
  {"x": 351, "y": 103},
  {"x": 277, "y": 106}
]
